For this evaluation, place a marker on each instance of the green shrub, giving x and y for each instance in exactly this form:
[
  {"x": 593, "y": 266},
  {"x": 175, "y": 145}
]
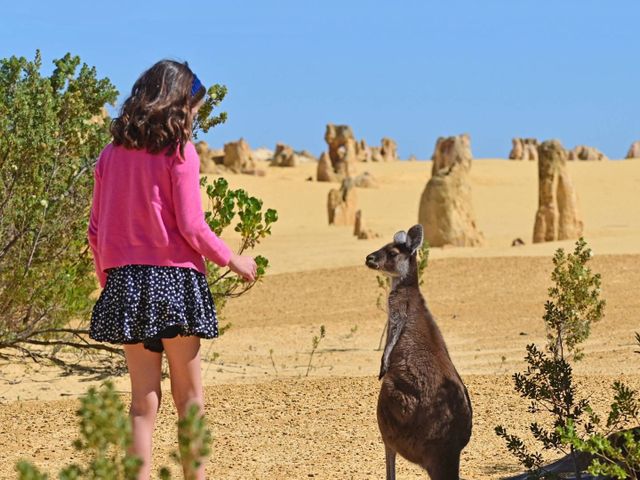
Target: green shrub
[
  {"x": 548, "y": 381},
  {"x": 614, "y": 447},
  {"x": 51, "y": 132},
  {"x": 105, "y": 435}
]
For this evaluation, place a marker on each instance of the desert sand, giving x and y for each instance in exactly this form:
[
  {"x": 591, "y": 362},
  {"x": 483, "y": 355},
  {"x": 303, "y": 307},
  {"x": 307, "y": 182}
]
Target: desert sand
[{"x": 271, "y": 421}]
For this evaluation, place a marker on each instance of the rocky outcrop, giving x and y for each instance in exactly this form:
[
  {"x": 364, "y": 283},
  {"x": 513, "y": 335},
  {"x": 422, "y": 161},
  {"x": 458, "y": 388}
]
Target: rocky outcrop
[
  {"x": 238, "y": 158},
  {"x": 343, "y": 149},
  {"x": 445, "y": 210},
  {"x": 342, "y": 155},
  {"x": 345, "y": 152},
  {"x": 558, "y": 217},
  {"x": 211, "y": 160},
  {"x": 325, "y": 171},
  {"x": 389, "y": 150},
  {"x": 365, "y": 180},
  {"x": 376, "y": 154},
  {"x": 363, "y": 152},
  {"x": 524, "y": 149},
  {"x": 360, "y": 231},
  {"x": 342, "y": 204},
  {"x": 584, "y": 152},
  {"x": 634, "y": 150},
  {"x": 284, "y": 156}
]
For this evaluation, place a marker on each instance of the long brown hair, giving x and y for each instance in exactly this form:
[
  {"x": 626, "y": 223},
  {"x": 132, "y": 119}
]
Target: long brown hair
[{"x": 157, "y": 115}]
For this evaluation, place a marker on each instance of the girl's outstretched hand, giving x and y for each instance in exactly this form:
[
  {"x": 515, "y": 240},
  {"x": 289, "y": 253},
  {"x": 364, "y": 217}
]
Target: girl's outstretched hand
[{"x": 244, "y": 265}]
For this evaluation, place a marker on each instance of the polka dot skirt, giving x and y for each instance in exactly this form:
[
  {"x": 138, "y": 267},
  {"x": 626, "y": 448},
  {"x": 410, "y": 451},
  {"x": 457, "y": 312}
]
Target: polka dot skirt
[{"x": 144, "y": 303}]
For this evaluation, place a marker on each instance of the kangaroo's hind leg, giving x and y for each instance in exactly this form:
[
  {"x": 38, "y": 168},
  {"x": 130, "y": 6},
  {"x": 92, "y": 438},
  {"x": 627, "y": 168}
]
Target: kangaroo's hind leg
[
  {"x": 445, "y": 466},
  {"x": 390, "y": 460}
]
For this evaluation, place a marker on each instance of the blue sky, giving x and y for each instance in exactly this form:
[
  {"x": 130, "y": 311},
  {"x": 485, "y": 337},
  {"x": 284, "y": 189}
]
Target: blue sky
[{"x": 411, "y": 70}]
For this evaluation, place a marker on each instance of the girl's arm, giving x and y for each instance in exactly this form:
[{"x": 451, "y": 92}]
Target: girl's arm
[
  {"x": 92, "y": 232},
  {"x": 185, "y": 180}
]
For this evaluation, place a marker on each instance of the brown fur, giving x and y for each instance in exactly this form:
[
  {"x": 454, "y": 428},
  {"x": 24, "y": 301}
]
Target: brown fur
[{"x": 424, "y": 410}]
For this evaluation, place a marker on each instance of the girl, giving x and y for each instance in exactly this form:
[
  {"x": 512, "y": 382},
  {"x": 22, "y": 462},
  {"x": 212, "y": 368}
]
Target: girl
[{"x": 148, "y": 237}]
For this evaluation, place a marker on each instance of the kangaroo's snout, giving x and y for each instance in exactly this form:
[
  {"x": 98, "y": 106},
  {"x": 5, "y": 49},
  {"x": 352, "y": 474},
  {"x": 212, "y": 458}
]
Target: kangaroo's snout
[{"x": 372, "y": 262}]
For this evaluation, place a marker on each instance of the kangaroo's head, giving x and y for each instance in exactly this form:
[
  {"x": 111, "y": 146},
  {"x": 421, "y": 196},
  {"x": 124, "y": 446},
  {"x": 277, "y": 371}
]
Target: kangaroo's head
[{"x": 398, "y": 258}]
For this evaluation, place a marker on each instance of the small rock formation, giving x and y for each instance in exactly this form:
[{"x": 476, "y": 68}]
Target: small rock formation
[
  {"x": 446, "y": 211},
  {"x": 211, "y": 160},
  {"x": 518, "y": 242},
  {"x": 238, "y": 158},
  {"x": 363, "y": 152},
  {"x": 365, "y": 180},
  {"x": 584, "y": 152},
  {"x": 284, "y": 156},
  {"x": 634, "y": 150},
  {"x": 524, "y": 149},
  {"x": 376, "y": 154},
  {"x": 359, "y": 230},
  {"x": 389, "y": 150},
  {"x": 557, "y": 217},
  {"x": 342, "y": 149},
  {"x": 325, "y": 171},
  {"x": 345, "y": 152},
  {"x": 342, "y": 204}
]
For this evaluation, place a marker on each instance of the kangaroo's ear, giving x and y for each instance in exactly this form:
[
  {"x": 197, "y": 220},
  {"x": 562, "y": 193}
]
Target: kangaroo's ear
[
  {"x": 400, "y": 237},
  {"x": 415, "y": 237}
]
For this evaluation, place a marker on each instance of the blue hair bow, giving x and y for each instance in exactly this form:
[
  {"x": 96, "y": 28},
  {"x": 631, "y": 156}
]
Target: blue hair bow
[{"x": 195, "y": 85}]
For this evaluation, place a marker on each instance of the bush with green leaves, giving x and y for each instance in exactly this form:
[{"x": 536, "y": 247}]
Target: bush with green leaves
[
  {"x": 51, "y": 132},
  {"x": 574, "y": 304},
  {"x": 225, "y": 205},
  {"x": 613, "y": 446},
  {"x": 52, "y": 129},
  {"x": 105, "y": 435}
]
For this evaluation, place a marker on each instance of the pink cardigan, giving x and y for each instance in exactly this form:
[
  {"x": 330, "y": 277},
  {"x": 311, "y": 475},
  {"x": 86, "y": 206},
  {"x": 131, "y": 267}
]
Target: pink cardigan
[{"x": 147, "y": 209}]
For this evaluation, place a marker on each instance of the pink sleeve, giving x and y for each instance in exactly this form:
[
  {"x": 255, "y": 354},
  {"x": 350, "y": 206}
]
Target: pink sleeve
[
  {"x": 185, "y": 182},
  {"x": 92, "y": 232}
]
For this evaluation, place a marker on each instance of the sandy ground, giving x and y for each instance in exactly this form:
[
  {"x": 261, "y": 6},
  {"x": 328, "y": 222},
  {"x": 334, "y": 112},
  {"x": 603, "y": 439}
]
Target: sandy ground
[{"x": 270, "y": 421}]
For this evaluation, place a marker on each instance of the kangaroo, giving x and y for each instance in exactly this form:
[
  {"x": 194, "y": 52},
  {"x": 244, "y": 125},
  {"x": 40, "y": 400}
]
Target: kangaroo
[{"x": 424, "y": 411}]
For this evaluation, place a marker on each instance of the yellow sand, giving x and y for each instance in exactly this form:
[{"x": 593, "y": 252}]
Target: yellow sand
[{"x": 271, "y": 422}]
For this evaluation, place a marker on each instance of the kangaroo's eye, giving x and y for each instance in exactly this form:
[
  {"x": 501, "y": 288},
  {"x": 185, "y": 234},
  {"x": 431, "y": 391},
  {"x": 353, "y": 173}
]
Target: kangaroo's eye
[{"x": 393, "y": 253}]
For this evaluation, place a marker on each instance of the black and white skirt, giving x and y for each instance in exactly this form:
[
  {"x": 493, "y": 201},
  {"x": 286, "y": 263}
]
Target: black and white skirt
[{"x": 145, "y": 303}]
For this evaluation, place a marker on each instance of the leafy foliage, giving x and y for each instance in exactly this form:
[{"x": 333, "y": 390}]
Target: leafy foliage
[
  {"x": 574, "y": 301},
  {"x": 52, "y": 129},
  {"x": 105, "y": 434},
  {"x": 204, "y": 119},
  {"x": 548, "y": 381},
  {"x": 615, "y": 450},
  {"x": 194, "y": 443},
  {"x": 253, "y": 225}
]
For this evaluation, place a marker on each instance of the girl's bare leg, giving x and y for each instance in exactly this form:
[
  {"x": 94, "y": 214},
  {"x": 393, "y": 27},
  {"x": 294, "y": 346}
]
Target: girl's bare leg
[
  {"x": 183, "y": 354},
  {"x": 145, "y": 369}
]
